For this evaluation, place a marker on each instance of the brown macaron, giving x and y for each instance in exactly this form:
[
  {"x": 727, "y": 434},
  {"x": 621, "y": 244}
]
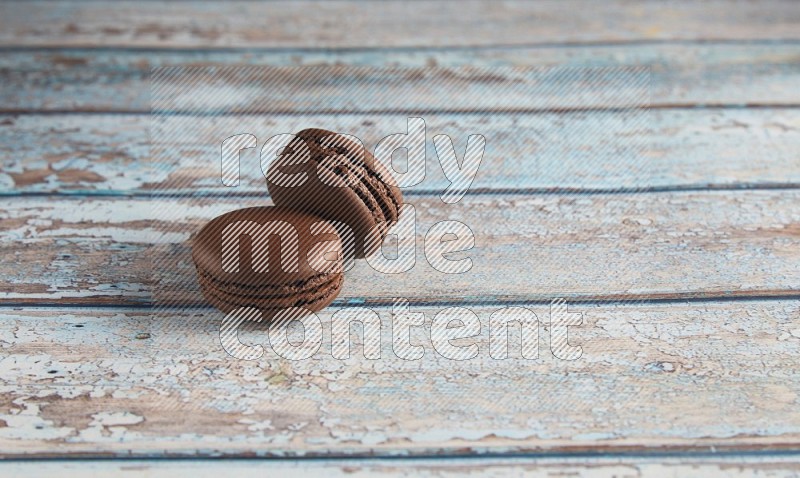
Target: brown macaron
[
  {"x": 335, "y": 177},
  {"x": 270, "y": 258}
]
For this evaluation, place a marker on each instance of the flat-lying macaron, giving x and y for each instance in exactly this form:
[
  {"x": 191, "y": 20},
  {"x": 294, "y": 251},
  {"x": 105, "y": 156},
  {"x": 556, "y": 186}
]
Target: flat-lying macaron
[
  {"x": 270, "y": 258},
  {"x": 335, "y": 177}
]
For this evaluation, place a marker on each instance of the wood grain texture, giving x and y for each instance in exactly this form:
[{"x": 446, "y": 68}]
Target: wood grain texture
[
  {"x": 716, "y": 376},
  {"x": 700, "y": 358},
  {"x": 597, "y": 246},
  {"x": 390, "y": 24},
  {"x": 715, "y": 148},
  {"x": 680, "y": 74},
  {"x": 737, "y": 467}
]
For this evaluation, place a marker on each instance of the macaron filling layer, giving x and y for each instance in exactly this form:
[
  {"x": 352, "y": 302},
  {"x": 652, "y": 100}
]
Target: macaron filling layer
[
  {"x": 370, "y": 189},
  {"x": 233, "y": 299},
  {"x": 267, "y": 291},
  {"x": 369, "y": 178}
]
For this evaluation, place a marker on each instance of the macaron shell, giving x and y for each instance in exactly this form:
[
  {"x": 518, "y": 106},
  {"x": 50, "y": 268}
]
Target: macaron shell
[
  {"x": 280, "y": 270},
  {"x": 379, "y": 177},
  {"x": 363, "y": 195},
  {"x": 340, "y": 204}
]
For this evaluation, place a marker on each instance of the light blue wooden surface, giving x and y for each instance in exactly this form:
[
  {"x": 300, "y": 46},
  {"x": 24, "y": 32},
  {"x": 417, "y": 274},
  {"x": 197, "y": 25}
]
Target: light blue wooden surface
[
  {"x": 682, "y": 74},
  {"x": 671, "y": 149},
  {"x": 702, "y": 357}
]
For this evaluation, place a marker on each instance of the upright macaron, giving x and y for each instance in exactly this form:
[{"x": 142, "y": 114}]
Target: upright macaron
[
  {"x": 334, "y": 176},
  {"x": 270, "y": 258}
]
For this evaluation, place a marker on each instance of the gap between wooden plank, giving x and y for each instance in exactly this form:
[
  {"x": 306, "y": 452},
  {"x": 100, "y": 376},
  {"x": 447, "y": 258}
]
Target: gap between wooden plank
[
  {"x": 342, "y": 304},
  {"x": 408, "y": 112},
  {"x": 396, "y": 49},
  {"x": 554, "y": 191}
]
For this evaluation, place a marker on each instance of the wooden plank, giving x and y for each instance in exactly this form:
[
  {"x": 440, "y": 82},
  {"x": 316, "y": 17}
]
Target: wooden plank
[
  {"x": 740, "y": 467},
  {"x": 528, "y": 247},
  {"x": 389, "y": 24},
  {"x": 677, "y": 58},
  {"x": 658, "y": 378},
  {"x": 680, "y": 74},
  {"x": 662, "y": 149}
]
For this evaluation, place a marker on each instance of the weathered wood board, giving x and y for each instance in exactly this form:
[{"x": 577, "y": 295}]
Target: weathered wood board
[
  {"x": 595, "y": 246},
  {"x": 651, "y": 378},
  {"x": 682, "y": 251},
  {"x": 678, "y": 149},
  {"x": 538, "y": 467},
  {"x": 389, "y": 24},
  {"x": 714, "y": 74}
]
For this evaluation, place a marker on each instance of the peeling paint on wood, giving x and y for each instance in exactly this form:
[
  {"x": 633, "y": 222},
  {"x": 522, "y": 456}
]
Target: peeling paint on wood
[
  {"x": 680, "y": 74},
  {"x": 595, "y": 467},
  {"x": 659, "y": 149},
  {"x": 659, "y": 245},
  {"x": 82, "y": 383},
  {"x": 700, "y": 377},
  {"x": 389, "y": 24}
]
